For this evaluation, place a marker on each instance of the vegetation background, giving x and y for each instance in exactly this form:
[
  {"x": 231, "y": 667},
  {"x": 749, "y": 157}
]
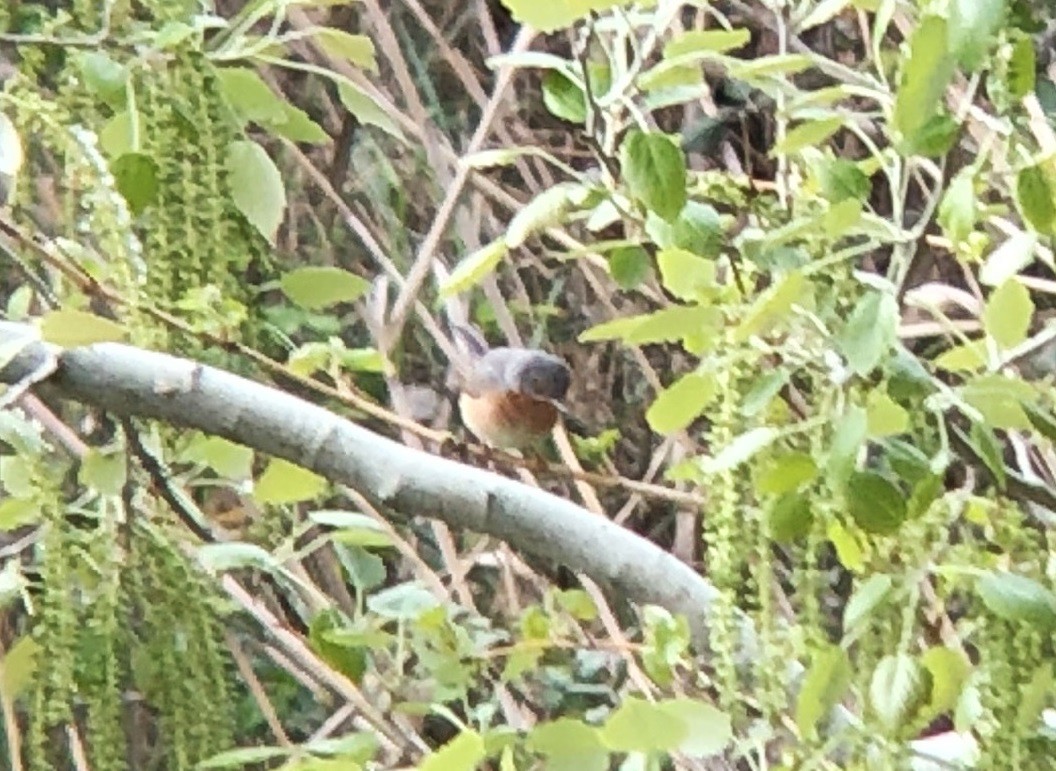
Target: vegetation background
[{"x": 798, "y": 253}]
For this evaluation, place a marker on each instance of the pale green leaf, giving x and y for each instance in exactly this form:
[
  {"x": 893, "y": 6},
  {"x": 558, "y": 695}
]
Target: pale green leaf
[
  {"x": 824, "y": 685},
  {"x": 1008, "y": 313},
  {"x": 926, "y": 73},
  {"x": 315, "y": 287},
  {"x": 256, "y": 186},
  {"x": 368, "y": 110},
  {"x": 808, "y": 134},
  {"x": 72, "y": 328},
  {"x": 973, "y": 29},
  {"x": 898, "y": 688},
  {"x": 681, "y": 403},
  {"x": 741, "y": 449},
  {"x": 358, "y": 50},
  {"x": 1018, "y": 598},
  {"x": 284, "y": 482},
  {"x": 474, "y": 268}
]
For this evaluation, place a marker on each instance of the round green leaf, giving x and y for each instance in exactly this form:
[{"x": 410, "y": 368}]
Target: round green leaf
[
  {"x": 638, "y": 726},
  {"x": 285, "y": 482},
  {"x": 655, "y": 171},
  {"x": 875, "y": 503},
  {"x": 316, "y": 287},
  {"x": 629, "y": 266},
  {"x": 1008, "y": 313}
]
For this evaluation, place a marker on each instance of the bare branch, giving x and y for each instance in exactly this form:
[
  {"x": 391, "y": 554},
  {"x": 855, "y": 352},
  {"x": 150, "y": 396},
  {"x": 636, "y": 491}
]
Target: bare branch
[{"x": 129, "y": 381}]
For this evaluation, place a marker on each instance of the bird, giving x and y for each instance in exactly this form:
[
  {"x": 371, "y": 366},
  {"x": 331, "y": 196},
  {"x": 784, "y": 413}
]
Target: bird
[{"x": 510, "y": 397}]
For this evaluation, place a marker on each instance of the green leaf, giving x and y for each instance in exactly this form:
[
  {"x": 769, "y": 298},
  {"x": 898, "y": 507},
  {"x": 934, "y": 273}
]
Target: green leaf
[
  {"x": 864, "y": 600},
  {"x": 358, "y": 50},
  {"x": 973, "y": 29},
  {"x": 1016, "y": 253},
  {"x": 136, "y": 178},
  {"x": 367, "y": 109},
  {"x": 698, "y": 229},
  {"x": 551, "y": 16},
  {"x": 772, "y": 306},
  {"x": 283, "y": 482},
  {"x": 250, "y": 97},
  {"x": 809, "y": 134},
  {"x": 790, "y": 517},
  {"x": 315, "y": 287},
  {"x": 841, "y": 179},
  {"x": 848, "y": 550},
  {"x": 654, "y": 169},
  {"x": 706, "y": 41},
  {"x": 874, "y": 503},
  {"x": 563, "y": 97},
  {"x": 115, "y": 138},
  {"x": 474, "y": 268},
  {"x": 236, "y": 555},
  {"x": 925, "y": 75},
  {"x": 898, "y": 689},
  {"x": 885, "y": 416},
  {"x": 999, "y": 398},
  {"x": 665, "y": 325},
  {"x": 949, "y": 670},
  {"x": 104, "y": 472},
  {"x": 103, "y": 76},
  {"x": 462, "y": 753},
  {"x": 763, "y": 390},
  {"x": 969, "y": 357},
  {"x": 1036, "y": 195},
  {"x": 824, "y": 685},
  {"x": 785, "y": 473},
  {"x": 352, "y": 528},
  {"x": 708, "y": 730},
  {"x": 349, "y": 660},
  {"x": 403, "y": 602},
  {"x": 629, "y": 266},
  {"x": 846, "y": 441},
  {"x": 546, "y": 209},
  {"x": 935, "y": 138},
  {"x": 71, "y": 328},
  {"x": 569, "y": 744},
  {"x": 870, "y": 332},
  {"x": 1008, "y": 313},
  {"x": 298, "y": 127},
  {"x": 741, "y": 449},
  {"x": 256, "y": 186},
  {"x": 1017, "y": 598},
  {"x": 958, "y": 210},
  {"x": 681, "y": 403},
  {"x": 684, "y": 274},
  {"x": 226, "y": 458},
  {"x": 638, "y": 726},
  {"x": 1022, "y": 68},
  {"x": 1034, "y": 698}
]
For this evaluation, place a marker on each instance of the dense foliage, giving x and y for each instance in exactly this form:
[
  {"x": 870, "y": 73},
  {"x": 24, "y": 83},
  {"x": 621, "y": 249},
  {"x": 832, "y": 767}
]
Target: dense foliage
[{"x": 799, "y": 255}]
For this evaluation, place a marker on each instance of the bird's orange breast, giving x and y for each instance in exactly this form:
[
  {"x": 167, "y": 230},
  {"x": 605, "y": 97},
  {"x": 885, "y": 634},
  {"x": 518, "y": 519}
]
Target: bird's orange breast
[{"x": 507, "y": 419}]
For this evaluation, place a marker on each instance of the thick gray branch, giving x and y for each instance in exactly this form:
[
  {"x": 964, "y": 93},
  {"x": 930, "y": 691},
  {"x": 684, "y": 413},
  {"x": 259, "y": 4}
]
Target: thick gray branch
[{"x": 133, "y": 382}]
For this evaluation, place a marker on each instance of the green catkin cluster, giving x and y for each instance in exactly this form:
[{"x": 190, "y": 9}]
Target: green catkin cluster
[
  {"x": 56, "y": 634},
  {"x": 103, "y": 659},
  {"x": 183, "y": 657},
  {"x": 723, "y": 553}
]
